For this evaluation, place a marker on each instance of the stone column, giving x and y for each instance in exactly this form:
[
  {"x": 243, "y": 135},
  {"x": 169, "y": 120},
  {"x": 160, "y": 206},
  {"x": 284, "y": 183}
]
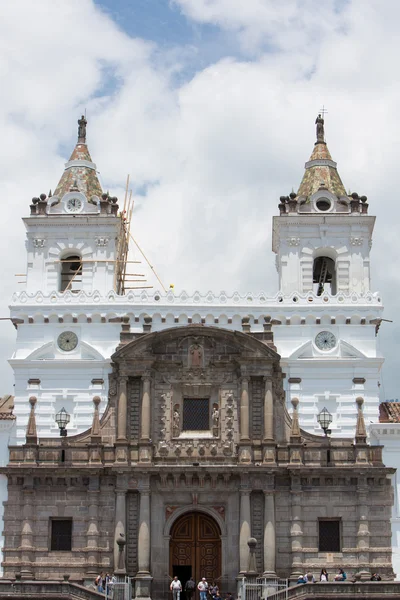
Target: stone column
[
  {"x": 92, "y": 535},
  {"x": 296, "y": 531},
  {"x": 146, "y": 408},
  {"x": 122, "y": 409},
  {"x": 269, "y": 534},
  {"x": 143, "y": 577},
  {"x": 268, "y": 412},
  {"x": 245, "y": 529},
  {"x": 244, "y": 413},
  {"x": 27, "y": 545},
  {"x": 363, "y": 533},
  {"x": 120, "y": 521}
]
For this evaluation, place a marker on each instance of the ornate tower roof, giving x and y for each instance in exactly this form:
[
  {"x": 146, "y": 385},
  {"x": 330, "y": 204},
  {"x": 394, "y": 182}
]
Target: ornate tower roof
[
  {"x": 321, "y": 170},
  {"x": 80, "y": 171}
]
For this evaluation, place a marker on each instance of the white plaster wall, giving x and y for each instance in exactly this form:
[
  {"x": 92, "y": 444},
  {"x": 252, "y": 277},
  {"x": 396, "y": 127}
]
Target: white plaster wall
[
  {"x": 48, "y": 241},
  {"x": 344, "y": 238}
]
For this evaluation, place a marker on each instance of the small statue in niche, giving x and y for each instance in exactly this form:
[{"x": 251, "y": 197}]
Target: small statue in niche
[
  {"x": 195, "y": 356},
  {"x": 176, "y": 422},
  {"x": 215, "y": 420},
  {"x": 215, "y": 417}
]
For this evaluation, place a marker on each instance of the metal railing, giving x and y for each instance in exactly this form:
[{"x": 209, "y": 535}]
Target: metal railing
[
  {"x": 119, "y": 590},
  {"x": 263, "y": 589}
]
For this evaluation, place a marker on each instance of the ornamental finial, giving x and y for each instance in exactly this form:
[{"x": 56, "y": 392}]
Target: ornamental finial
[{"x": 82, "y": 122}]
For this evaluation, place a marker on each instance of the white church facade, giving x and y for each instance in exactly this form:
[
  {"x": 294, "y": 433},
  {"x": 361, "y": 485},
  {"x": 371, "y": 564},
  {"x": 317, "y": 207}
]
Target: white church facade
[{"x": 324, "y": 318}]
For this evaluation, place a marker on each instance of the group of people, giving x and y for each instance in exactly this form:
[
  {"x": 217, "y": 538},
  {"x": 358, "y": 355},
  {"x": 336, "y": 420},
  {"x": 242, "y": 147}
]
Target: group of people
[
  {"x": 207, "y": 592},
  {"x": 340, "y": 576},
  {"x": 309, "y": 577},
  {"x": 103, "y": 581}
]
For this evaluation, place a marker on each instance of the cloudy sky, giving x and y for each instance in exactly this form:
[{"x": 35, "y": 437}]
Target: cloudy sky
[{"x": 210, "y": 106}]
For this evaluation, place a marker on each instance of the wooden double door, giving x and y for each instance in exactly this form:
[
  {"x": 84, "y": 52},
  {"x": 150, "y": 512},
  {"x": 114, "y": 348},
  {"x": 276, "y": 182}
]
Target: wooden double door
[{"x": 195, "y": 548}]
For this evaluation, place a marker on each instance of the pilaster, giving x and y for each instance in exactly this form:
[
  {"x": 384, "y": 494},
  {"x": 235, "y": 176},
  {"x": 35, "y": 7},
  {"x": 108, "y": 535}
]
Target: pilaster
[
  {"x": 120, "y": 516},
  {"x": 92, "y": 535},
  {"x": 296, "y": 530},
  {"x": 143, "y": 578},
  {"x": 245, "y": 527},
  {"x": 269, "y": 530},
  {"x": 27, "y": 535}
]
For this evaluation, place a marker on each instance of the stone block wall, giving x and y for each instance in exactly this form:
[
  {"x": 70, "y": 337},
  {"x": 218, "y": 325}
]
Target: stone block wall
[{"x": 61, "y": 497}]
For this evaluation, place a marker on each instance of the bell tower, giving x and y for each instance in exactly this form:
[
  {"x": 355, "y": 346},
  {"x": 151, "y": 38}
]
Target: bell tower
[
  {"x": 322, "y": 239},
  {"x": 72, "y": 235},
  {"x": 322, "y": 236},
  {"x": 65, "y": 332}
]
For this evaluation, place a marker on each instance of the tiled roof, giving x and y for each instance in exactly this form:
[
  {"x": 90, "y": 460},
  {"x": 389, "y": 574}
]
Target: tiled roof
[
  {"x": 389, "y": 412},
  {"x": 317, "y": 175},
  {"x": 6, "y": 408},
  {"x": 80, "y": 177},
  {"x": 80, "y": 173}
]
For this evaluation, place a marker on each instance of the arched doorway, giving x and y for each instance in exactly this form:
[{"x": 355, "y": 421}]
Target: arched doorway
[{"x": 195, "y": 548}]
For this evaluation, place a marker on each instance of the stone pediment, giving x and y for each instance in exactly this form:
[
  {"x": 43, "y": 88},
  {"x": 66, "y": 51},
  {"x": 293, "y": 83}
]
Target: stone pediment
[
  {"x": 220, "y": 345},
  {"x": 48, "y": 352},
  {"x": 343, "y": 350}
]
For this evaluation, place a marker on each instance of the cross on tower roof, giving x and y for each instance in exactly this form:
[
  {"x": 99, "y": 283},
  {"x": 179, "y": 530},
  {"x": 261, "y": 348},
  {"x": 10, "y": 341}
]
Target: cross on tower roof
[{"x": 323, "y": 111}]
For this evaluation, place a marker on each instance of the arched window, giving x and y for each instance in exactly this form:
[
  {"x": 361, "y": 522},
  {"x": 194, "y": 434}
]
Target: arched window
[
  {"x": 71, "y": 273},
  {"x": 324, "y": 276}
]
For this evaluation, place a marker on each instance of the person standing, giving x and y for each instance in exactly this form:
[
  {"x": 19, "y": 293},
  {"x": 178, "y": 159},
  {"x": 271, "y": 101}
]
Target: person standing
[
  {"x": 190, "y": 587},
  {"x": 324, "y": 575},
  {"x": 176, "y": 588},
  {"x": 202, "y": 586}
]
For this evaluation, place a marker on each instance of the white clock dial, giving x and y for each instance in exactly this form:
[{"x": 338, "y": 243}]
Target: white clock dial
[
  {"x": 325, "y": 340},
  {"x": 74, "y": 205},
  {"x": 67, "y": 341}
]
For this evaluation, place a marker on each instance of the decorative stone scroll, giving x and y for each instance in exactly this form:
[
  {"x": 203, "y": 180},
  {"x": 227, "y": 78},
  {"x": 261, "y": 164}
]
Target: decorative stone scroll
[
  {"x": 356, "y": 241},
  {"x": 102, "y": 241},
  {"x": 39, "y": 242}
]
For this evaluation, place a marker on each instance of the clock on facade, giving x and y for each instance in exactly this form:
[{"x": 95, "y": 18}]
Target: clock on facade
[
  {"x": 74, "y": 205},
  {"x": 325, "y": 340},
  {"x": 67, "y": 341}
]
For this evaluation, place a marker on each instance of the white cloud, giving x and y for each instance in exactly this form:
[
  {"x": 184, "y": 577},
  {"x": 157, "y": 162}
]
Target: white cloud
[{"x": 215, "y": 152}]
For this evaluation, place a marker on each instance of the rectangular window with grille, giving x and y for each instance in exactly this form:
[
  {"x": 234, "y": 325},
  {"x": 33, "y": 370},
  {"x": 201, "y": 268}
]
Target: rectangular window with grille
[
  {"x": 61, "y": 534},
  {"x": 329, "y": 535},
  {"x": 196, "y": 414}
]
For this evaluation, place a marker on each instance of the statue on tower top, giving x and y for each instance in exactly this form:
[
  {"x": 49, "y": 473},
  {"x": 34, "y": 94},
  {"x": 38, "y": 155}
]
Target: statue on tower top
[
  {"x": 319, "y": 121},
  {"x": 82, "y": 130}
]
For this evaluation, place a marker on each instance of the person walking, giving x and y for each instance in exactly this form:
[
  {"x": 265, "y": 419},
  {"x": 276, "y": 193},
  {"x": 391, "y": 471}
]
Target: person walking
[
  {"x": 202, "y": 586},
  {"x": 190, "y": 587},
  {"x": 176, "y": 588}
]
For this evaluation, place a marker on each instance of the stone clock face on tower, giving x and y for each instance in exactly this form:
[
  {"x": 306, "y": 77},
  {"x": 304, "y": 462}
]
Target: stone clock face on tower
[
  {"x": 73, "y": 205},
  {"x": 325, "y": 340},
  {"x": 67, "y": 341}
]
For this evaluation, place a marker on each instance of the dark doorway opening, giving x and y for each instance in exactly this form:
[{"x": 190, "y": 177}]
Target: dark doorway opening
[{"x": 324, "y": 276}]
